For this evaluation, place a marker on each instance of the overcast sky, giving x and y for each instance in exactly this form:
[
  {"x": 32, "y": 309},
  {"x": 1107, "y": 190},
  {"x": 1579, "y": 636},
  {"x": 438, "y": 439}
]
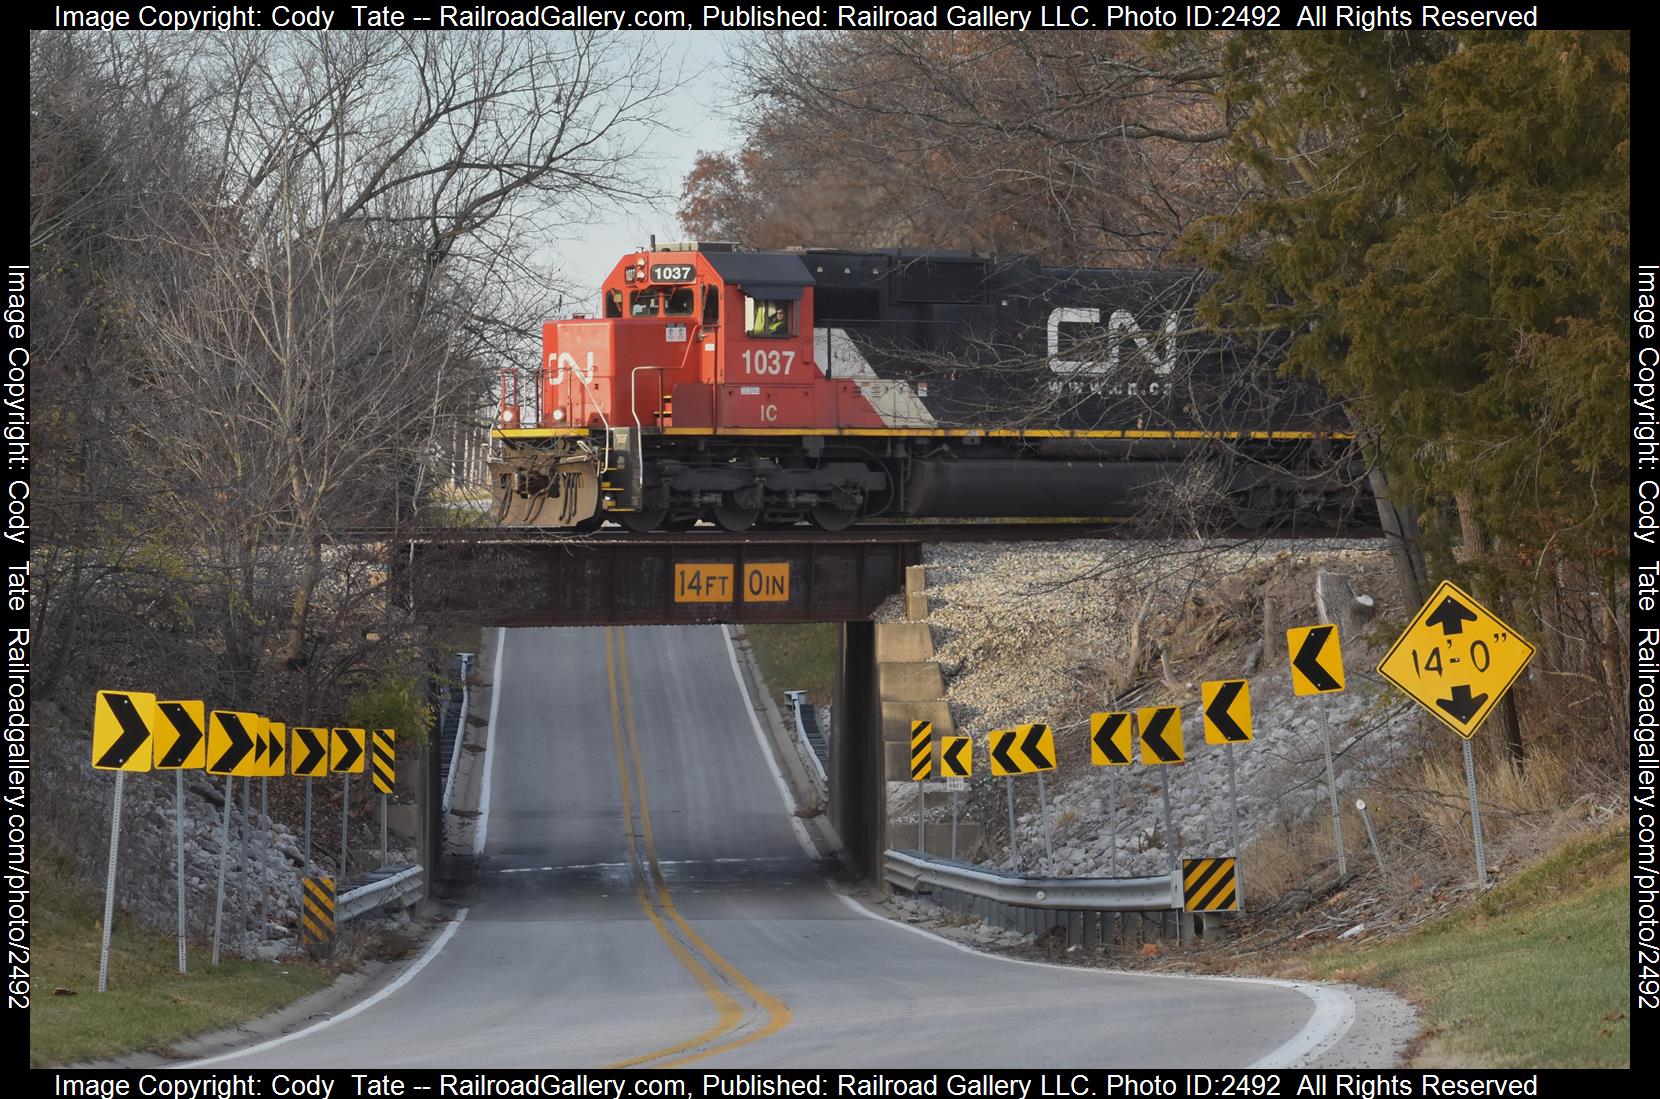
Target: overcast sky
[{"x": 697, "y": 121}]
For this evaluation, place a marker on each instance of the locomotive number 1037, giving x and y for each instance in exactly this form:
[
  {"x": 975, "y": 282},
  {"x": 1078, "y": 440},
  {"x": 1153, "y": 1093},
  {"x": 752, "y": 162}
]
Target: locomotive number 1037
[{"x": 768, "y": 362}]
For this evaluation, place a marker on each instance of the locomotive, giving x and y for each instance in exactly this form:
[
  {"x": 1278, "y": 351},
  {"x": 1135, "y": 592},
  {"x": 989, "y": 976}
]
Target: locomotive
[{"x": 830, "y": 387}]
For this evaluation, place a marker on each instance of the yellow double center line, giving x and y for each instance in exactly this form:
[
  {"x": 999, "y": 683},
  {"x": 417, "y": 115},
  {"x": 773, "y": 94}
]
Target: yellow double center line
[{"x": 717, "y": 977}]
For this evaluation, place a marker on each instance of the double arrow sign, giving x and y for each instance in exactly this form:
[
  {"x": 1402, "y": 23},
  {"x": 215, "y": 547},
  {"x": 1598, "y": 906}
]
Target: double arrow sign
[
  {"x": 1022, "y": 750},
  {"x": 1111, "y": 734},
  {"x": 1227, "y": 713}
]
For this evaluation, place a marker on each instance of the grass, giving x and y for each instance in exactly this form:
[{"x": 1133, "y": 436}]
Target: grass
[
  {"x": 1533, "y": 975},
  {"x": 148, "y": 1005},
  {"x": 796, "y": 658}
]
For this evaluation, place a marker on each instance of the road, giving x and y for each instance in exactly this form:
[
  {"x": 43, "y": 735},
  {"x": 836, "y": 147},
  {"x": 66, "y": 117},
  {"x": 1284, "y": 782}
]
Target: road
[{"x": 645, "y": 900}]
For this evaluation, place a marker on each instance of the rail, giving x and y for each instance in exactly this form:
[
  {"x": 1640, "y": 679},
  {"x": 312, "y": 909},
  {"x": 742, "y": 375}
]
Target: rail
[
  {"x": 910, "y": 871},
  {"x": 391, "y": 883}
]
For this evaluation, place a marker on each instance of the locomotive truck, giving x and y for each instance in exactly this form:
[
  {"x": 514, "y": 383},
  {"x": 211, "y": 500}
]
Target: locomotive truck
[{"x": 832, "y": 387}]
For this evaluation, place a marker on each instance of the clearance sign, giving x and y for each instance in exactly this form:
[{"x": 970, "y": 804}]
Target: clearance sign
[{"x": 766, "y": 582}]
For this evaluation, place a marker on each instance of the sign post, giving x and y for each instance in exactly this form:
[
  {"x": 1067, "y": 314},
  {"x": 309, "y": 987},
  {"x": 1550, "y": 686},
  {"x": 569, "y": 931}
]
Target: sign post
[
  {"x": 1161, "y": 743},
  {"x": 956, "y": 764},
  {"x": 1110, "y": 736},
  {"x": 346, "y": 757},
  {"x": 1457, "y": 659},
  {"x": 1021, "y": 751},
  {"x": 181, "y": 744},
  {"x": 123, "y": 723},
  {"x": 1317, "y": 668},
  {"x": 1227, "y": 710},
  {"x": 230, "y": 752}
]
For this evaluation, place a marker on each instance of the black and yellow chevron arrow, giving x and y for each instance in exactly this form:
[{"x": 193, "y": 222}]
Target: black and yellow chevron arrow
[
  {"x": 922, "y": 756},
  {"x": 956, "y": 757},
  {"x": 1109, "y": 739},
  {"x": 1208, "y": 885},
  {"x": 1022, "y": 750},
  {"x": 1161, "y": 734}
]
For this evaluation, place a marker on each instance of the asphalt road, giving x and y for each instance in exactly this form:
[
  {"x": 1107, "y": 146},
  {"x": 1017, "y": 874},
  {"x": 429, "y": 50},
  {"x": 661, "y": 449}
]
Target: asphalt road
[{"x": 645, "y": 900}]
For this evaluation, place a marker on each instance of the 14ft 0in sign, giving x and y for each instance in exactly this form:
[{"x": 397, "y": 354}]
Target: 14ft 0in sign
[{"x": 1456, "y": 659}]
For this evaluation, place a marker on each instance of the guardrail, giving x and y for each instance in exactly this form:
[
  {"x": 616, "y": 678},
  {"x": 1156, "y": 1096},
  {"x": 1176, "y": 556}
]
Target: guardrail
[
  {"x": 797, "y": 699},
  {"x": 392, "y": 883},
  {"x": 466, "y": 663},
  {"x": 1092, "y": 911},
  {"x": 910, "y": 870}
]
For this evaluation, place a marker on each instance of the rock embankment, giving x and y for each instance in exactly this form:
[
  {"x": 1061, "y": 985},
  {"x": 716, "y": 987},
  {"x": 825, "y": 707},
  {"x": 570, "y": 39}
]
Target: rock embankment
[{"x": 1055, "y": 632}]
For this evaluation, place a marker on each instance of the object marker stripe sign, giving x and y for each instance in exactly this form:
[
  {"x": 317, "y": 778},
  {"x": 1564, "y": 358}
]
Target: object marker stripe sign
[
  {"x": 922, "y": 734},
  {"x": 382, "y": 765}
]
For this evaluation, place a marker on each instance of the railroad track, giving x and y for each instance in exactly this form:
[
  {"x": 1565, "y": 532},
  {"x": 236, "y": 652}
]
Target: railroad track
[{"x": 1056, "y": 531}]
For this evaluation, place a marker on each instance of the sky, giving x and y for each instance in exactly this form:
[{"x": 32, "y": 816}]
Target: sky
[{"x": 696, "y": 121}]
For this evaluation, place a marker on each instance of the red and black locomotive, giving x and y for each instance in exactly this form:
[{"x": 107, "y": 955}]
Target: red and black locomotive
[{"x": 829, "y": 387}]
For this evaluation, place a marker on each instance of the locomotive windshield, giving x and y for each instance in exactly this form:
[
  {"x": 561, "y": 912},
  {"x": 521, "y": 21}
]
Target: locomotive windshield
[{"x": 680, "y": 302}]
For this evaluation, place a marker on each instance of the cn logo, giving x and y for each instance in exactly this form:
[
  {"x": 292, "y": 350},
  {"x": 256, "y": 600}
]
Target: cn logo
[
  {"x": 1157, "y": 348},
  {"x": 564, "y": 360}
]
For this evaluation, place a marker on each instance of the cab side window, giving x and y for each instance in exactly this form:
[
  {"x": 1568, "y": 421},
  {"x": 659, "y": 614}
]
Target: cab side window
[
  {"x": 680, "y": 303},
  {"x": 613, "y": 303},
  {"x": 711, "y": 305},
  {"x": 767, "y": 319}
]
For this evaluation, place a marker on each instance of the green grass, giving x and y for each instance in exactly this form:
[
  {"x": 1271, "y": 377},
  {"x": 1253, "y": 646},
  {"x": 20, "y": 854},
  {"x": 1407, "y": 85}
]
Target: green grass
[
  {"x": 1534, "y": 975},
  {"x": 796, "y": 658},
  {"x": 148, "y": 1004}
]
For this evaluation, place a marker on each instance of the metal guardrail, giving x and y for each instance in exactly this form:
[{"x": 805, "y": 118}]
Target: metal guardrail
[
  {"x": 466, "y": 663},
  {"x": 797, "y": 700},
  {"x": 910, "y": 870},
  {"x": 393, "y": 883}
]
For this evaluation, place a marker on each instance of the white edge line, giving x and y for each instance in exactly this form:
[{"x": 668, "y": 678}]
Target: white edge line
[
  {"x": 403, "y": 978},
  {"x": 483, "y": 827},
  {"x": 1334, "y": 1009},
  {"x": 766, "y": 751}
]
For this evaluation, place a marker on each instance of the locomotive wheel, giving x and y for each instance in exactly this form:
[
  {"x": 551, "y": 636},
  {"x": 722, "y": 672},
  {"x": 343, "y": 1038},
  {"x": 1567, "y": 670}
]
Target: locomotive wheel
[
  {"x": 830, "y": 517},
  {"x": 681, "y": 523},
  {"x": 732, "y": 516},
  {"x": 590, "y": 524},
  {"x": 646, "y": 519}
]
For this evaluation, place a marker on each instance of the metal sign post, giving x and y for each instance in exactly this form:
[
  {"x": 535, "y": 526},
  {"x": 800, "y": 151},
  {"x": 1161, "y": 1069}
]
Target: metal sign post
[
  {"x": 1014, "y": 840},
  {"x": 1048, "y": 838},
  {"x": 242, "y": 863},
  {"x": 953, "y": 822},
  {"x": 1233, "y": 827},
  {"x": 1112, "y": 818},
  {"x": 1331, "y": 788},
  {"x": 307, "y": 858},
  {"x": 264, "y": 822},
  {"x": 224, "y": 862},
  {"x": 1169, "y": 828},
  {"x": 1475, "y": 813},
  {"x": 345, "y": 824},
  {"x": 109, "y": 883},
  {"x": 383, "y": 829},
  {"x": 1371, "y": 833},
  {"x": 178, "y": 852}
]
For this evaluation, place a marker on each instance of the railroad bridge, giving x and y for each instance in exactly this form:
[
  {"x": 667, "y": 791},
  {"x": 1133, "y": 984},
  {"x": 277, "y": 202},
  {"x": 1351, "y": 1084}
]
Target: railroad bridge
[{"x": 884, "y": 674}]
